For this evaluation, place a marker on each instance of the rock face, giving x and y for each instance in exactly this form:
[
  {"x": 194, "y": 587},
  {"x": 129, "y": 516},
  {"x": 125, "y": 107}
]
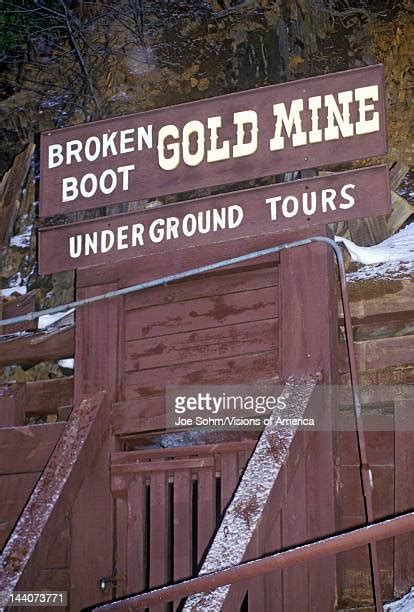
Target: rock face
[{"x": 175, "y": 52}]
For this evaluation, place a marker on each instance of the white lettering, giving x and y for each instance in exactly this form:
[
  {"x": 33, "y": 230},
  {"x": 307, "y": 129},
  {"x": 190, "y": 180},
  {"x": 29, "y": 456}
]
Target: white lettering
[
  {"x": 125, "y": 170},
  {"x": 107, "y": 240},
  {"x": 96, "y": 148},
  {"x": 241, "y": 119},
  {"x": 214, "y": 153},
  {"x": 189, "y": 158},
  {"x": 75, "y": 246},
  {"x": 362, "y": 95},
  {"x": 122, "y": 237},
  {"x": 171, "y": 162},
  {"x": 293, "y": 120},
  {"x": 350, "y": 199},
  {"x": 69, "y": 189},
  {"x": 337, "y": 121},
  {"x": 55, "y": 156},
  {"x": 124, "y": 141}
]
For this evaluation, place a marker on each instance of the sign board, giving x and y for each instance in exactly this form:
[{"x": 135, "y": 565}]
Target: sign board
[
  {"x": 253, "y": 212},
  {"x": 308, "y": 123}
]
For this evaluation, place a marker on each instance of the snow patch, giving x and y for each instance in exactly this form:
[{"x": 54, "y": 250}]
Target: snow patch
[
  {"x": 22, "y": 241},
  {"x": 48, "y": 320},
  {"x": 405, "y": 604},
  {"x": 392, "y": 258},
  {"x": 67, "y": 363}
]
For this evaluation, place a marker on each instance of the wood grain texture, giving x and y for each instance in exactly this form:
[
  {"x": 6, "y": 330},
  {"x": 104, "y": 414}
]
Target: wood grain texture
[
  {"x": 36, "y": 347},
  {"x": 35, "y": 444}
]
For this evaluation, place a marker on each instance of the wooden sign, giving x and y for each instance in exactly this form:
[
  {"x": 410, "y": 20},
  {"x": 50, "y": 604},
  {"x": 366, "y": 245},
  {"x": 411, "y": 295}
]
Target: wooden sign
[
  {"x": 308, "y": 123},
  {"x": 254, "y": 212}
]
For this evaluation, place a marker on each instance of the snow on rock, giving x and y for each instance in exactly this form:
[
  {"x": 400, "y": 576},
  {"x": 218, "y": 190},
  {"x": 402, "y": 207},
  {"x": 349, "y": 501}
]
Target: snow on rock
[
  {"x": 22, "y": 241},
  {"x": 17, "y": 285},
  {"x": 392, "y": 258},
  {"x": 405, "y": 604}
]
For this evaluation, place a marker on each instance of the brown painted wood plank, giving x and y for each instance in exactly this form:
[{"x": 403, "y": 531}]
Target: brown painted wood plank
[
  {"x": 12, "y": 405},
  {"x": 15, "y": 490},
  {"x": 206, "y": 509},
  {"x": 380, "y": 353},
  {"x": 122, "y": 545},
  {"x": 294, "y": 531},
  {"x": 180, "y": 451},
  {"x": 380, "y": 301},
  {"x": 229, "y": 477},
  {"x": 182, "y": 530},
  {"x": 273, "y": 588},
  {"x": 136, "y": 544},
  {"x": 47, "y": 396},
  {"x": 35, "y": 444},
  {"x": 14, "y": 307},
  {"x": 161, "y": 466},
  {"x": 404, "y": 494},
  {"x": 308, "y": 306},
  {"x": 58, "y": 484},
  {"x": 202, "y": 313},
  {"x": 127, "y": 272},
  {"x": 158, "y": 547},
  {"x": 232, "y": 370},
  {"x": 41, "y": 346},
  {"x": 97, "y": 335},
  {"x": 205, "y": 285},
  {"x": 220, "y": 342}
]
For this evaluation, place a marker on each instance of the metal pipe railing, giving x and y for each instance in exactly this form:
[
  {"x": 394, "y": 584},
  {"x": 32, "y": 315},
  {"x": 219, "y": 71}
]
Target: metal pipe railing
[{"x": 332, "y": 545}]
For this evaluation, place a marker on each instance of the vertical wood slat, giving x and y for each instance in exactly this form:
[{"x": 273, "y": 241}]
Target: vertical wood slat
[
  {"x": 182, "y": 517},
  {"x": 206, "y": 509},
  {"x": 294, "y": 531},
  {"x": 136, "y": 541},
  {"x": 404, "y": 493},
  {"x": 158, "y": 553},
  {"x": 256, "y": 586},
  {"x": 122, "y": 544},
  {"x": 229, "y": 473},
  {"x": 273, "y": 588}
]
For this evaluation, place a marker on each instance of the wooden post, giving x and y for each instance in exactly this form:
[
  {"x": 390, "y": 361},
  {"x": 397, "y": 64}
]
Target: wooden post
[
  {"x": 96, "y": 369},
  {"x": 308, "y": 335}
]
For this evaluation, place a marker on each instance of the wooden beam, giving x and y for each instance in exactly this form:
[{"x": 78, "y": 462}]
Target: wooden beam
[
  {"x": 17, "y": 306},
  {"x": 379, "y": 301},
  {"x": 33, "y": 348},
  {"x": 97, "y": 351},
  {"x": 397, "y": 173},
  {"x": 309, "y": 332},
  {"x": 380, "y": 353},
  {"x": 12, "y": 405},
  {"x": 11, "y": 187},
  {"x": 244, "y": 513},
  {"x": 35, "y": 444},
  {"x": 47, "y": 396},
  {"x": 58, "y": 485}
]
